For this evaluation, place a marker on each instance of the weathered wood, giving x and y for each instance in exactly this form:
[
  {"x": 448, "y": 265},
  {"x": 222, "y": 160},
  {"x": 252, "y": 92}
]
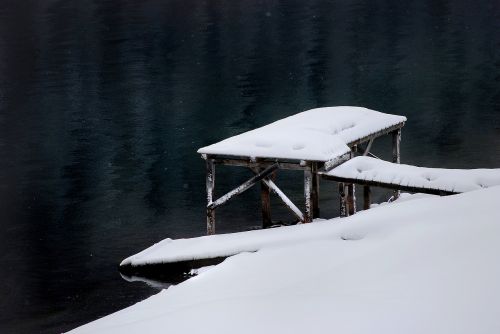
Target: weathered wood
[
  {"x": 366, "y": 197},
  {"x": 396, "y": 154},
  {"x": 210, "y": 185},
  {"x": 315, "y": 190},
  {"x": 368, "y": 147},
  {"x": 308, "y": 216},
  {"x": 396, "y": 146},
  {"x": 289, "y": 204},
  {"x": 258, "y": 164},
  {"x": 244, "y": 186},
  {"x": 370, "y": 154},
  {"x": 351, "y": 199},
  {"x": 265, "y": 199},
  {"x": 343, "y": 202},
  {"x": 351, "y": 189},
  {"x": 337, "y": 161},
  {"x": 411, "y": 189},
  {"x": 376, "y": 134}
]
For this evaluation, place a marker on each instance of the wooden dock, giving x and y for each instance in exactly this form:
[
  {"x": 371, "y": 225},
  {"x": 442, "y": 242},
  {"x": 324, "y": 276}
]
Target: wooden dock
[
  {"x": 309, "y": 142},
  {"x": 330, "y": 143}
]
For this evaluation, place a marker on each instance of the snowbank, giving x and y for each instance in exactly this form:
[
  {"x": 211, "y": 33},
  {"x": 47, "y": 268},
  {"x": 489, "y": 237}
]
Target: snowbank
[
  {"x": 424, "y": 266},
  {"x": 316, "y": 135},
  {"x": 453, "y": 180}
]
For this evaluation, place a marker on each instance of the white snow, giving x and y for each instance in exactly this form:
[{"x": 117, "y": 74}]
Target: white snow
[
  {"x": 424, "y": 266},
  {"x": 318, "y": 134},
  {"x": 455, "y": 180}
]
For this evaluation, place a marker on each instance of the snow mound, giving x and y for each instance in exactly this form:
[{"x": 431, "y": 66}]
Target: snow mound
[{"x": 424, "y": 266}]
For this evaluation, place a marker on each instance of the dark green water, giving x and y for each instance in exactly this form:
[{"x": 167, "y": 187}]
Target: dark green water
[{"x": 104, "y": 103}]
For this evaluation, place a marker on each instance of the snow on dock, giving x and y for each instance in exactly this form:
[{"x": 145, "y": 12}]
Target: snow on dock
[
  {"x": 220, "y": 245},
  {"x": 425, "y": 266},
  {"x": 320, "y": 134},
  {"x": 370, "y": 171}
]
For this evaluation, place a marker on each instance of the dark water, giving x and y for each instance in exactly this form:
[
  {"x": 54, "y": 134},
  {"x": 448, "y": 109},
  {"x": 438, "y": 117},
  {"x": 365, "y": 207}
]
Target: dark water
[{"x": 104, "y": 103}]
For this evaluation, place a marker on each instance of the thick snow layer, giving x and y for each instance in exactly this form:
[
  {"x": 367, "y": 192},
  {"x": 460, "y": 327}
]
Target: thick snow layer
[
  {"x": 317, "y": 135},
  {"x": 454, "y": 180},
  {"x": 424, "y": 266}
]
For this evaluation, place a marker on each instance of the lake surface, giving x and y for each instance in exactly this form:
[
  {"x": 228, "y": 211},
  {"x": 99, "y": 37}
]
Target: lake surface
[{"x": 103, "y": 105}]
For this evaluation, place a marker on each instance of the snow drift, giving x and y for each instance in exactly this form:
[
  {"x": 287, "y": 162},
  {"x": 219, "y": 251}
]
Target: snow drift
[{"x": 424, "y": 266}]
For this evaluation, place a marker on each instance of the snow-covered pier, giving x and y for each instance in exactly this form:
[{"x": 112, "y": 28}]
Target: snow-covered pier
[
  {"x": 323, "y": 143},
  {"x": 311, "y": 141},
  {"x": 368, "y": 171}
]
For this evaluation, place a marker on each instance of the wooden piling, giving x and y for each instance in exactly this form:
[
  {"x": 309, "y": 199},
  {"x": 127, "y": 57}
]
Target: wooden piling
[
  {"x": 315, "y": 190},
  {"x": 396, "y": 154},
  {"x": 343, "y": 202},
  {"x": 351, "y": 189},
  {"x": 351, "y": 199},
  {"x": 308, "y": 216},
  {"x": 366, "y": 197},
  {"x": 210, "y": 184},
  {"x": 265, "y": 199}
]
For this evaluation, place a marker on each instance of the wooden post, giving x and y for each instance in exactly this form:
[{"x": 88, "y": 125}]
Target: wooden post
[
  {"x": 308, "y": 195},
  {"x": 210, "y": 196},
  {"x": 366, "y": 197},
  {"x": 343, "y": 202},
  {"x": 351, "y": 199},
  {"x": 315, "y": 190},
  {"x": 396, "y": 154},
  {"x": 265, "y": 199},
  {"x": 351, "y": 190}
]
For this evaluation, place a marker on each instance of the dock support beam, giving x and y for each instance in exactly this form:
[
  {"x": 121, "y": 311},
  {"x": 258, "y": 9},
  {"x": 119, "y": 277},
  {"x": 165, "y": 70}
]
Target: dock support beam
[
  {"x": 210, "y": 196},
  {"x": 315, "y": 190},
  {"x": 396, "y": 154},
  {"x": 265, "y": 199},
  {"x": 343, "y": 199},
  {"x": 351, "y": 199},
  {"x": 308, "y": 185},
  {"x": 366, "y": 197},
  {"x": 351, "y": 190}
]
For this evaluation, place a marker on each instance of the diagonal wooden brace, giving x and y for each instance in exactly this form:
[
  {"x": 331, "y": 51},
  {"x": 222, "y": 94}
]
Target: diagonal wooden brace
[
  {"x": 296, "y": 211},
  {"x": 243, "y": 187}
]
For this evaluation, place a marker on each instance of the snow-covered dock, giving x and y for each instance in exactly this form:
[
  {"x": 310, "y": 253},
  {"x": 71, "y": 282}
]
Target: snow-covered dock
[
  {"x": 194, "y": 250},
  {"x": 319, "y": 142},
  {"x": 309, "y": 141},
  {"x": 368, "y": 171}
]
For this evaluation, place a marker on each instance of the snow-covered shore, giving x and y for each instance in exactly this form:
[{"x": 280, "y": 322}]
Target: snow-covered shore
[{"x": 423, "y": 266}]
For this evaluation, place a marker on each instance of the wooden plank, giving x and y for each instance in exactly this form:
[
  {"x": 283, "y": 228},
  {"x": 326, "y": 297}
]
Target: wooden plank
[
  {"x": 366, "y": 197},
  {"x": 337, "y": 161},
  {"x": 308, "y": 216},
  {"x": 260, "y": 164},
  {"x": 411, "y": 189},
  {"x": 244, "y": 186},
  {"x": 210, "y": 185},
  {"x": 368, "y": 147},
  {"x": 315, "y": 191},
  {"x": 296, "y": 211}
]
